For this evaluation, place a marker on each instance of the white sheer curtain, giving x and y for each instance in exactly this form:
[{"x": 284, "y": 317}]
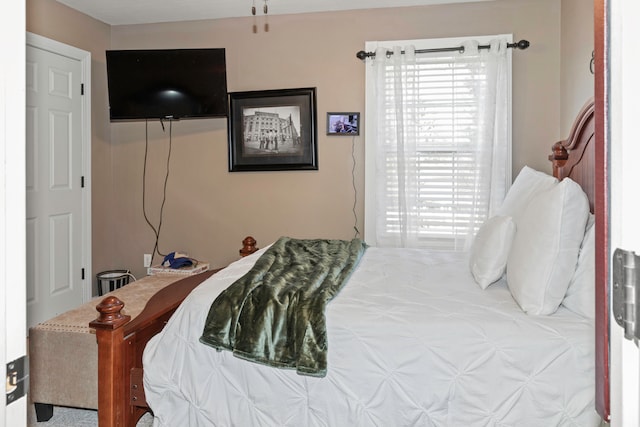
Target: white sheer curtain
[{"x": 440, "y": 128}]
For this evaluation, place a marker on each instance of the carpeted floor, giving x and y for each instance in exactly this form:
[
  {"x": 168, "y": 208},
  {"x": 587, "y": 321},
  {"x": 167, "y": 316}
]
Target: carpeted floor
[{"x": 72, "y": 417}]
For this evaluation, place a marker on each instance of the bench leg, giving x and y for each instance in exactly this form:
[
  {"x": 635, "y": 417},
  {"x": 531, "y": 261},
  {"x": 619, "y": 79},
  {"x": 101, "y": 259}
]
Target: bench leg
[{"x": 44, "y": 412}]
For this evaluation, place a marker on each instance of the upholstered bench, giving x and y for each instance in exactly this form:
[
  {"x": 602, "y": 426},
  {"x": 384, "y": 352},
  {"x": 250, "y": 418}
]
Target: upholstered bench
[{"x": 63, "y": 353}]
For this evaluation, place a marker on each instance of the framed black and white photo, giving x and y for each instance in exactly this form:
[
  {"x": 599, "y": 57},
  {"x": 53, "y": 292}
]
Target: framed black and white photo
[
  {"x": 343, "y": 123},
  {"x": 273, "y": 130}
]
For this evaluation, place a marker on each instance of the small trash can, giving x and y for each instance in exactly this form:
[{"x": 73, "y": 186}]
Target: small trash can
[{"x": 114, "y": 279}]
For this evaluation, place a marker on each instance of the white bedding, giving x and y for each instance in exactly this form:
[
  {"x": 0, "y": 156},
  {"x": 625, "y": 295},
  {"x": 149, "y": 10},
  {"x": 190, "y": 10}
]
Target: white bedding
[{"x": 413, "y": 341}]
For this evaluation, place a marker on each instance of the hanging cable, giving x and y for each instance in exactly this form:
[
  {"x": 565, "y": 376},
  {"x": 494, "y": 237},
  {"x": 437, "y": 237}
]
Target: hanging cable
[
  {"x": 164, "y": 193},
  {"x": 156, "y": 231},
  {"x": 355, "y": 189},
  {"x": 144, "y": 186}
]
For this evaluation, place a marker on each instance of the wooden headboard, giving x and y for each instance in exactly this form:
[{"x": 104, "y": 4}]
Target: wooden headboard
[{"x": 575, "y": 156}]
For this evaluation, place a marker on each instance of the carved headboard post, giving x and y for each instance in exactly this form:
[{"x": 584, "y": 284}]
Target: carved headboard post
[
  {"x": 574, "y": 157},
  {"x": 558, "y": 157}
]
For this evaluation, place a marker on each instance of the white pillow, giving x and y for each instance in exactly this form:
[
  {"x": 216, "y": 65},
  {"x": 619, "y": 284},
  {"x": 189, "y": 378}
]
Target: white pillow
[
  {"x": 545, "y": 249},
  {"x": 527, "y": 184},
  {"x": 581, "y": 295},
  {"x": 490, "y": 249}
]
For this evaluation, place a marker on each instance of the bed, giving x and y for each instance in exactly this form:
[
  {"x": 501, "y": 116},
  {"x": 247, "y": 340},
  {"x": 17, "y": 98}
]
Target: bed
[{"x": 415, "y": 337}]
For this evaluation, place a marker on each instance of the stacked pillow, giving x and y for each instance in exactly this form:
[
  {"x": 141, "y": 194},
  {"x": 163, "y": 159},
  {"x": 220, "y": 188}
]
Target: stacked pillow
[
  {"x": 492, "y": 244},
  {"x": 581, "y": 297},
  {"x": 490, "y": 249},
  {"x": 540, "y": 255}
]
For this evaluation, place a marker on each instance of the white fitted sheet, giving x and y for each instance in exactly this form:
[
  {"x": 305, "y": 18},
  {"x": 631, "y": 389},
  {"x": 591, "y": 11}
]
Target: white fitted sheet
[{"x": 413, "y": 341}]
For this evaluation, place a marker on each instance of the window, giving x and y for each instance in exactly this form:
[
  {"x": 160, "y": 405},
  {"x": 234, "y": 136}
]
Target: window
[{"x": 438, "y": 141}]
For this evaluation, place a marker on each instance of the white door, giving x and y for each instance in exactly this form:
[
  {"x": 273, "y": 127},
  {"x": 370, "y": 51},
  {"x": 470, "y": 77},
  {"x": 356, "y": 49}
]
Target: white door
[
  {"x": 625, "y": 199},
  {"x": 12, "y": 211},
  {"x": 56, "y": 180}
]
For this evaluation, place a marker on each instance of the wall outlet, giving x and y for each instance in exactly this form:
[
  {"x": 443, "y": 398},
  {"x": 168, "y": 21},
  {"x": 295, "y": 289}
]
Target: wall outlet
[{"x": 147, "y": 260}]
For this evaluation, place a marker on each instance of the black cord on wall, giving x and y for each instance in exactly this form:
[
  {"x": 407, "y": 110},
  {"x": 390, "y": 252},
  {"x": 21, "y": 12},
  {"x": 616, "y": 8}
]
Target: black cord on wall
[
  {"x": 156, "y": 231},
  {"x": 355, "y": 189}
]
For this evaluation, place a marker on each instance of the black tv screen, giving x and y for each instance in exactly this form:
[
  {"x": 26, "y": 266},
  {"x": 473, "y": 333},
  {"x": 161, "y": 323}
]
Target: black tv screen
[{"x": 166, "y": 83}]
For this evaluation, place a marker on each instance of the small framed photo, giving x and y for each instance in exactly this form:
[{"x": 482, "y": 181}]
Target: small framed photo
[
  {"x": 343, "y": 123},
  {"x": 273, "y": 130}
]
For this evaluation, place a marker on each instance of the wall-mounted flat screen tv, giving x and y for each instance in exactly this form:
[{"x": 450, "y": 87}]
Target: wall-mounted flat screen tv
[{"x": 166, "y": 84}]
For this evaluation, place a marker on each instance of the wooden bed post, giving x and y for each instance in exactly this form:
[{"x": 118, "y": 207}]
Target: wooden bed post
[
  {"x": 248, "y": 246},
  {"x": 121, "y": 343},
  {"x": 109, "y": 328},
  {"x": 574, "y": 157},
  {"x": 558, "y": 157}
]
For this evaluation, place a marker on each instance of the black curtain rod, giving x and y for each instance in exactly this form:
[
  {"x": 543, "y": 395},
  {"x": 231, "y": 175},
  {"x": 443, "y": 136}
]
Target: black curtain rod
[{"x": 522, "y": 44}]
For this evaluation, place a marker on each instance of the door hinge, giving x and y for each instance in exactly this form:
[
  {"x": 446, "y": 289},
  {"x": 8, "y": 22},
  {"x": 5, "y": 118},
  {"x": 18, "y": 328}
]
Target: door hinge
[
  {"x": 82, "y": 182},
  {"x": 625, "y": 293},
  {"x": 83, "y": 274},
  {"x": 81, "y": 88},
  {"x": 17, "y": 379}
]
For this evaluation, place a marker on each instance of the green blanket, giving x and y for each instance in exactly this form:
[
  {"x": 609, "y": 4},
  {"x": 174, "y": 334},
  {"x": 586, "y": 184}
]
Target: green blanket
[{"x": 275, "y": 314}]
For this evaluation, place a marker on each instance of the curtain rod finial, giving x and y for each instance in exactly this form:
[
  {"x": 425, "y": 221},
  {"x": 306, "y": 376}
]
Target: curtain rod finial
[
  {"x": 523, "y": 44},
  {"x": 362, "y": 55}
]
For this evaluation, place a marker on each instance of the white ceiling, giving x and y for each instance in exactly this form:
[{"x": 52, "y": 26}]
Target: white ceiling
[{"x": 122, "y": 12}]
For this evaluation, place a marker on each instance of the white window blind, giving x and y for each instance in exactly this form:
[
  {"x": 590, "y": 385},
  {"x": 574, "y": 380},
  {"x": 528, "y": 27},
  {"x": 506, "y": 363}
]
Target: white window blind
[{"x": 430, "y": 177}]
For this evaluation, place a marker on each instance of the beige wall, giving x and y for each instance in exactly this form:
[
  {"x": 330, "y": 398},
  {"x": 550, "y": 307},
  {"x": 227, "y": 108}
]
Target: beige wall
[
  {"x": 577, "y": 84},
  {"x": 209, "y": 210}
]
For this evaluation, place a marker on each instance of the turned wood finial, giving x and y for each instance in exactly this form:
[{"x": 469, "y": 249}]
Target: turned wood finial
[
  {"x": 559, "y": 152},
  {"x": 111, "y": 316},
  {"x": 558, "y": 157},
  {"x": 249, "y": 246}
]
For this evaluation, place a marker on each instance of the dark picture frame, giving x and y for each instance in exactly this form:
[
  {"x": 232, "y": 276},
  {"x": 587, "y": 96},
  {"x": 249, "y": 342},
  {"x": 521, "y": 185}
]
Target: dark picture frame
[
  {"x": 273, "y": 130},
  {"x": 345, "y": 124}
]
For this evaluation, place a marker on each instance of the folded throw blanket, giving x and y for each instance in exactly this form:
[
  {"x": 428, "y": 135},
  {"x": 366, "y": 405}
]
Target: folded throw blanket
[{"x": 275, "y": 314}]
